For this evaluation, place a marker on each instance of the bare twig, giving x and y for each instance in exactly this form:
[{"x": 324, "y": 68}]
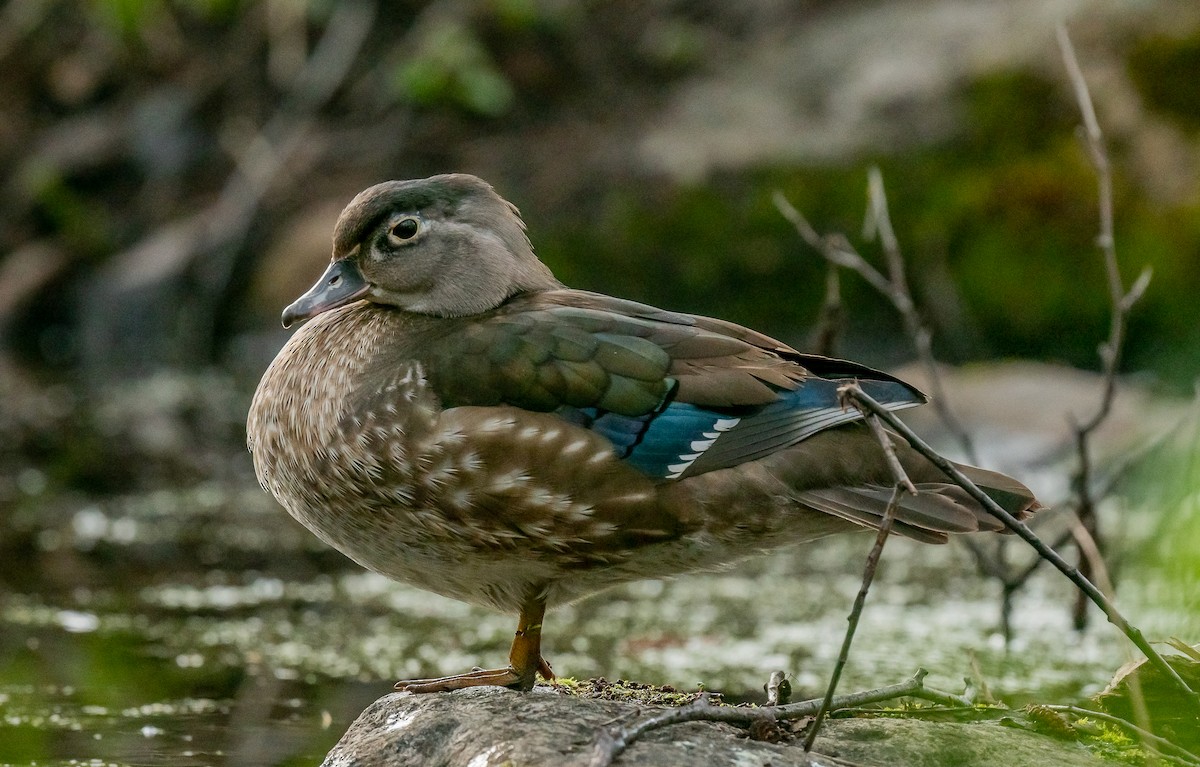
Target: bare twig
[
  {"x": 903, "y": 483},
  {"x": 839, "y": 252},
  {"x": 885, "y": 529},
  {"x": 1089, "y": 552},
  {"x": 797, "y": 219},
  {"x": 1024, "y": 575},
  {"x": 1122, "y": 303},
  {"x": 885, "y": 442},
  {"x": 1094, "y": 143},
  {"x": 879, "y": 220},
  {"x": 610, "y": 744},
  {"x": 1022, "y": 530},
  {"x": 829, "y": 322}
]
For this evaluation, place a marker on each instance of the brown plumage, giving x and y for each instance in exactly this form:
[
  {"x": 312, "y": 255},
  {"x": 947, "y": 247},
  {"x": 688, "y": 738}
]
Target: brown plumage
[{"x": 453, "y": 417}]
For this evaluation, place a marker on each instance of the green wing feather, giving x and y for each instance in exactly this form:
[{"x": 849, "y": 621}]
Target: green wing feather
[
  {"x": 577, "y": 349},
  {"x": 541, "y": 361}
]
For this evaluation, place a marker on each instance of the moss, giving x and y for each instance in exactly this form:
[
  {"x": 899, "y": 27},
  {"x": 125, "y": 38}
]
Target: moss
[
  {"x": 636, "y": 692},
  {"x": 1113, "y": 743}
]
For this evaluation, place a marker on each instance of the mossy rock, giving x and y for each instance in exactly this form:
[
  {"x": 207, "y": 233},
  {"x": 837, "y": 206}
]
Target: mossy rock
[{"x": 489, "y": 725}]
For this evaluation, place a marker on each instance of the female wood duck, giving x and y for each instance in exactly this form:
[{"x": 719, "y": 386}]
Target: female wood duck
[{"x": 456, "y": 418}]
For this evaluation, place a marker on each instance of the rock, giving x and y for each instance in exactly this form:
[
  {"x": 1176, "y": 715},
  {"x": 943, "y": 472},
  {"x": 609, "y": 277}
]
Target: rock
[{"x": 491, "y": 727}]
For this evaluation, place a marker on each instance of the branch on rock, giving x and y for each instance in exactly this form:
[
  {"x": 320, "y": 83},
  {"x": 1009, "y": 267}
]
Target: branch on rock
[{"x": 610, "y": 744}]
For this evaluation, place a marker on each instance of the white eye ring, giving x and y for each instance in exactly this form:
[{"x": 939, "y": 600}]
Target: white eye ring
[{"x": 405, "y": 229}]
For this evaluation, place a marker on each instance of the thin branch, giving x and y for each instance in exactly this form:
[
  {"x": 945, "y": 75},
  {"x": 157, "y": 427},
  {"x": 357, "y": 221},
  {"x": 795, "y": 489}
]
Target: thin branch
[
  {"x": 1025, "y": 533},
  {"x": 610, "y": 744},
  {"x": 1090, "y": 551},
  {"x": 825, "y": 336},
  {"x": 839, "y": 253},
  {"x": 1065, "y": 537},
  {"x": 879, "y": 222},
  {"x": 885, "y": 529},
  {"x": 837, "y": 250},
  {"x": 1122, "y": 301},
  {"x": 797, "y": 219},
  {"x": 1093, "y": 140},
  {"x": 829, "y": 322}
]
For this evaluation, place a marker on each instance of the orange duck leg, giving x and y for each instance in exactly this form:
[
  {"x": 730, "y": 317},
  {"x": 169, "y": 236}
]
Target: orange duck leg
[{"x": 525, "y": 661}]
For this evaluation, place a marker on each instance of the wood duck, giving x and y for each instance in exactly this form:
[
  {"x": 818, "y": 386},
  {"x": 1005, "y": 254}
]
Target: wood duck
[{"x": 454, "y": 417}]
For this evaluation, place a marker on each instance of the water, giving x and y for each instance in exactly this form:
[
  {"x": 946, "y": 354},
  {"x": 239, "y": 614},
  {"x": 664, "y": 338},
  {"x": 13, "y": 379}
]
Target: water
[{"x": 204, "y": 627}]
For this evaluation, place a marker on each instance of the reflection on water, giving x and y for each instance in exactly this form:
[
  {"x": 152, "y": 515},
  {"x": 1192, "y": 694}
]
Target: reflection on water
[
  {"x": 109, "y": 698},
  {"x": 205, "y": 628}
]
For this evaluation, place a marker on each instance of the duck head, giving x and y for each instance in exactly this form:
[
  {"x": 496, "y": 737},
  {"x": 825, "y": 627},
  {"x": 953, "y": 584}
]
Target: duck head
[{"x": 447, "y": 246}]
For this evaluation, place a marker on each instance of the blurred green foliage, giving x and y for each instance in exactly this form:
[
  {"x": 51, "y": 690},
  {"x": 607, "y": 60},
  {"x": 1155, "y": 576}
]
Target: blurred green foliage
[
  {"x": 130, "y": 17},
  {"x": 450, "y": 66},
  {"x": 1167, "y": 482},
  {"x": 84, "y": 226},
  {"x": 999, "y": 223}
]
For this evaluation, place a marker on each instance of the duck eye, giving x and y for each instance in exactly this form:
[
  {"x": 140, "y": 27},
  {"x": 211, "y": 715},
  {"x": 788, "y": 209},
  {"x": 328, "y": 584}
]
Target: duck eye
[{"x": 406, "y": 228}]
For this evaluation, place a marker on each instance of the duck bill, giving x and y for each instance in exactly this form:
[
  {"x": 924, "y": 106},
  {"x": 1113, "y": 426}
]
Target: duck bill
[{"x": 342, "y": 283}]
